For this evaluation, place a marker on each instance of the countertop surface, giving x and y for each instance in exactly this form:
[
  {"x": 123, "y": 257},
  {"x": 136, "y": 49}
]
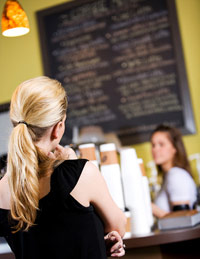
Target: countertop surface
[{"x": 158, "y": 237}]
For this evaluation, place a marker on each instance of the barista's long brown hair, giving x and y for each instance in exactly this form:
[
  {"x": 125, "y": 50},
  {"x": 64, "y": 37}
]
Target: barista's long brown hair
[
  {"x": 175, "y": 137},
  {"x": 36, "y": 105}
]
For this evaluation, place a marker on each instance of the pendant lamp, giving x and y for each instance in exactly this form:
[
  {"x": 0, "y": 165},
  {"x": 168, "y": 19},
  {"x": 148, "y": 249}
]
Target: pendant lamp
[{"x": 14, "y": 20}]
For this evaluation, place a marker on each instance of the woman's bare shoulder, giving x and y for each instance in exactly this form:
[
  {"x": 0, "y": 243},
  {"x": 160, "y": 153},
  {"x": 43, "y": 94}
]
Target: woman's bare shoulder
[
  {"x": 3, "y": 183},
  {"x": 4, "y": 193}
]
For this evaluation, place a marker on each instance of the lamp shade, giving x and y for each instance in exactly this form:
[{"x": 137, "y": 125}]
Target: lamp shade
[{"x": 14, "y": 20}]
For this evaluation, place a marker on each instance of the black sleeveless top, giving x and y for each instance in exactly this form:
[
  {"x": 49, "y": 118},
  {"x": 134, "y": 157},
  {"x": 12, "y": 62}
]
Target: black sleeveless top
[{"x": 64, "y": 228}]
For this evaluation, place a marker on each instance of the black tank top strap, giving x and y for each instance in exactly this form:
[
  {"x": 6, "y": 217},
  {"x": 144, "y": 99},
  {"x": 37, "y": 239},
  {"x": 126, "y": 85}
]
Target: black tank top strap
[{"x": 67, "y": 175}]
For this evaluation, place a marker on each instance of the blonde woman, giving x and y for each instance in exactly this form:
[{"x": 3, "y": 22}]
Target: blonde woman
[{"x": 53, "y": 205}]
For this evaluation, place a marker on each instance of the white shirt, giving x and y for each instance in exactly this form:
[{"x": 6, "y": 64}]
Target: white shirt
[{"x": 178, "y": 186}]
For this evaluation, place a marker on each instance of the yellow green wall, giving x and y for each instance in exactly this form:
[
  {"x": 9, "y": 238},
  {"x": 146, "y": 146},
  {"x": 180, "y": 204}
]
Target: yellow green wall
[{"x": 20, "y": 59}]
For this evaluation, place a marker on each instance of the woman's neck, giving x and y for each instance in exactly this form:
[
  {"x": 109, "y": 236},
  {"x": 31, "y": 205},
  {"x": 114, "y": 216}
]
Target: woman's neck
[
  {"x": 166, "y": 166},
  {"x": 45, "y": 186},
  {"x": 46, "y": 144}
]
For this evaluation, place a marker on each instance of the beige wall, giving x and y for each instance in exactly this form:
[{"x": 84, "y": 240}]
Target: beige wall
[{"x": 20, "y": 59}]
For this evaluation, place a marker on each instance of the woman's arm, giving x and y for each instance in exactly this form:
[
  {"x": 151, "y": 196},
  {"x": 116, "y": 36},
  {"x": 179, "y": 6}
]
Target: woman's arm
[
  {"x": 91, "y": 188},
  {"x": 158, "y": 212}
]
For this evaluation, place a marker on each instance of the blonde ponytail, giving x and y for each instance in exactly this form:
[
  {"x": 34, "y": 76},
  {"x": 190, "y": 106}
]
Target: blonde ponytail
[
  {"x": 24, "y": 183},
  {"x": 39, "y": 103}
]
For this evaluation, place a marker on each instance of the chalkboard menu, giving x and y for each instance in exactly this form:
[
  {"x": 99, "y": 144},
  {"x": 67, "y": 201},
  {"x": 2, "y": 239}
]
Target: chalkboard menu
[{"x": 121, "y": 63}]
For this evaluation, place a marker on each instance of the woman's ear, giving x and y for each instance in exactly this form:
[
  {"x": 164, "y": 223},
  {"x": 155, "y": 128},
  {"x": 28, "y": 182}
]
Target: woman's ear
[{"x": 56, "y": 130}]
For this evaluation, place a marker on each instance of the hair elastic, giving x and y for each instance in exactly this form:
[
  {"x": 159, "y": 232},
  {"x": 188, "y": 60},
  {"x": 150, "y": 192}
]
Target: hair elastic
[{"x": 23, "y": 123}]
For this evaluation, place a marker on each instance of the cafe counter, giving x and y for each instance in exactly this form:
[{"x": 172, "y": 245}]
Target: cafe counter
[{"x": 179, "y": 243}]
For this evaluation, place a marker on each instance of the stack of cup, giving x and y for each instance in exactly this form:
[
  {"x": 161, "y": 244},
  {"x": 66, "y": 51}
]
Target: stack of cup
[
  {"x": 110, "y": 170},
  {"x": 88, "y": 151},
  {"x": 133, "y": 190},
  {"x": 147, "y": 196}
]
